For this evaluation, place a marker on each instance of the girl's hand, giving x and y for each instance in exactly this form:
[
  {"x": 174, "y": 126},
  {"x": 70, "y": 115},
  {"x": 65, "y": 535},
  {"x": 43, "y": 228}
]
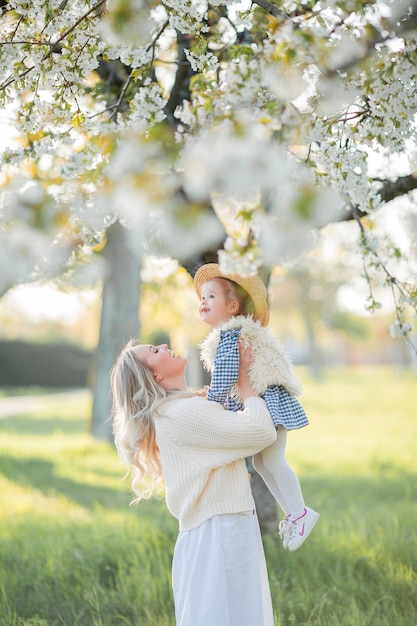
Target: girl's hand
[{"x": 246, "y": 359}]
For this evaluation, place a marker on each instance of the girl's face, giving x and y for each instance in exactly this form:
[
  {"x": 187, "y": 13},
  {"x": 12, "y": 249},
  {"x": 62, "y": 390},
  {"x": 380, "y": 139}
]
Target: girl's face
[
  {"x": 215, "y": 308},
  {"x": 161, "y": 360}
]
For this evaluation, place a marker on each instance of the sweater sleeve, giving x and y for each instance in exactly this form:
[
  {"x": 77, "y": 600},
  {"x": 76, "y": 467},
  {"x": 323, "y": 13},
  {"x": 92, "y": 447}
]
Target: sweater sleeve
[
  {"x": 214, "y": 436},
  {"x": 226, "y": 367}
]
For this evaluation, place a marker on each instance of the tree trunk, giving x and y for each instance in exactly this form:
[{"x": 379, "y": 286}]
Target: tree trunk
[
  {"x": 119, "y": 318},
  {"x": 315, "y": 356}
]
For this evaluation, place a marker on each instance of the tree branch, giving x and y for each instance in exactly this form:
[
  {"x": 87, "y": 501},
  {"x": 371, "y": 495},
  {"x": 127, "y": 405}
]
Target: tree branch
[
  {"x": 406, "y": 23},
  {"x": 403, "y": 185},
  {"x": 271, "y": 8},
  {"x": 54, "y": 47},
  {"x": 181, "y": 89},
  {"x": 390, "y": 190}
]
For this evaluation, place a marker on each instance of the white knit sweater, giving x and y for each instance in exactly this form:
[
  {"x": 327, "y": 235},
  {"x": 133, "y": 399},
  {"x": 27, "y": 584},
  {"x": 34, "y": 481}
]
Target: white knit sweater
[
  {"x": 271, "y": 365},
  {"x": 202, "y": 449}
]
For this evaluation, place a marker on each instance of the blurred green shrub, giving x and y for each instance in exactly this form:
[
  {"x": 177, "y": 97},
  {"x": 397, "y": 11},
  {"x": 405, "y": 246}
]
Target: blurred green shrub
[{"x": 47, "y": 365}]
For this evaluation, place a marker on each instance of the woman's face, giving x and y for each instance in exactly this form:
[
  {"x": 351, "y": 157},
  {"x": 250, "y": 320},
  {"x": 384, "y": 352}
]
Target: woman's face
[{"x": 161, "y": 360}]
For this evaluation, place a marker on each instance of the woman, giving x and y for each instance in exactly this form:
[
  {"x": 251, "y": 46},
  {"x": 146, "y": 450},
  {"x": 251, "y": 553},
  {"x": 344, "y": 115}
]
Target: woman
[{"x": 165, "y": 431}]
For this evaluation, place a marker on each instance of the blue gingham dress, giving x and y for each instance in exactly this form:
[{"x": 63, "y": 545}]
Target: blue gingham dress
[{"x": 285, "y": 409}]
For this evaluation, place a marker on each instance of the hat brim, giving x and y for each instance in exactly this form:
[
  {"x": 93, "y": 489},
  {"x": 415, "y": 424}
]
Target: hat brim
[{"x": 253, "y": 285}]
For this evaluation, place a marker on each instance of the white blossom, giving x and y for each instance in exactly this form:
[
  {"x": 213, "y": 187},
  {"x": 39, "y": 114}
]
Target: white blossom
[
  {"x": 283, "y": 118},
  {"x": 400, "y": 330}
]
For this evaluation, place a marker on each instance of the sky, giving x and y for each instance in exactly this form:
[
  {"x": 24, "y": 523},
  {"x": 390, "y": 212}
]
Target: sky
[{"x": 7, "y": 130}]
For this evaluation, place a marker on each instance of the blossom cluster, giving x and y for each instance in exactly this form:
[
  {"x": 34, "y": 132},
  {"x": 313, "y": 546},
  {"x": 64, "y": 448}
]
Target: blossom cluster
[{"x": 145, "y": 112}]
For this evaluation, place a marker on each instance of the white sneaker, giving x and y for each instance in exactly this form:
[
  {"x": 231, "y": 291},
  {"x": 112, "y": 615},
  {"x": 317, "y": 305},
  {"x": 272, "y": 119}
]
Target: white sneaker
[
  {"x": 284, "y": 529},
  {"x": 301, "y": 527}
]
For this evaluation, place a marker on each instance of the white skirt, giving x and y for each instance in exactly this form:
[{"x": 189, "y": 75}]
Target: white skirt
[{"x": 219, "y": 574}]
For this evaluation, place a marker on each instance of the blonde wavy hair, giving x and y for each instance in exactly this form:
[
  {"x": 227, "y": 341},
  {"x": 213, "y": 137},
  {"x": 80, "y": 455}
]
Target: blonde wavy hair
[{"x": 136, "y": 397}]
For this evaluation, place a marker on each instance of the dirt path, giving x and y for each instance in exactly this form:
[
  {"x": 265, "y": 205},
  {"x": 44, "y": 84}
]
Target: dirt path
[{"x": 12, "y": 405}]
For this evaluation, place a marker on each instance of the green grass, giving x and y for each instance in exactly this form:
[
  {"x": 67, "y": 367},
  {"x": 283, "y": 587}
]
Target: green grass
[{"x": 74, "y": 553}]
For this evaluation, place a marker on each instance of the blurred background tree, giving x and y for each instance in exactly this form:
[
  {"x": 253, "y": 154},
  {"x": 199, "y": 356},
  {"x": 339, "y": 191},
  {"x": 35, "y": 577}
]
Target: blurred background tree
[{"x": 208, "y": 131}]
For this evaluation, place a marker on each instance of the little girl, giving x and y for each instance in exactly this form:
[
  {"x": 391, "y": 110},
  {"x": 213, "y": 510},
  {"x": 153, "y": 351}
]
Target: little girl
[{"x": 237, "y": 306}]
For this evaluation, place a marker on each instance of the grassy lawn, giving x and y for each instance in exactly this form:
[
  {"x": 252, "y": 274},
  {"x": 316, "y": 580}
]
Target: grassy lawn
[{"x": 74, "y": 553}]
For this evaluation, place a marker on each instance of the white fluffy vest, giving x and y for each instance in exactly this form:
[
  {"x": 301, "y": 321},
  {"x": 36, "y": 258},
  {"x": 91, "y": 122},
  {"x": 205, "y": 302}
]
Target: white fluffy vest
[{"x": 271, "y": 365}]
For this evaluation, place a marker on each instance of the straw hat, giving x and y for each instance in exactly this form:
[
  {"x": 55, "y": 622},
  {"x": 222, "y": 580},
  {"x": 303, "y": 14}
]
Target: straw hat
[{"x": 253, "y": 285}]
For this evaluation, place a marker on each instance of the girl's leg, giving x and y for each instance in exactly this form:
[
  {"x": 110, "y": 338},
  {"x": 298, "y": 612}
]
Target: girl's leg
[
  {"x": 279, "y": 477},
  {"x": 270, "y": 482},
  {"x": 284, "y": 485}
]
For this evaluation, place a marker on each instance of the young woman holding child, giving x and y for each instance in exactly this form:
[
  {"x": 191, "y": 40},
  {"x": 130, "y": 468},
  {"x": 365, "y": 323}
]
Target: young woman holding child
[{"x": 164, "y": 431}]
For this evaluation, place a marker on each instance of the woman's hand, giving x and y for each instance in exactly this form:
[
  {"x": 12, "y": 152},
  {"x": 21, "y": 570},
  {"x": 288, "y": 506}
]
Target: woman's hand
[
  {"x": 246, "y": 359},
  {"x": 203, "y": 392}
]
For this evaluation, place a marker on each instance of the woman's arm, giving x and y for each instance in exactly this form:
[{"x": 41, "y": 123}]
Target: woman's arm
[
  {"x": 213, "y": 436},
  {"x": 243, "y": 383},
  {"x": 226, "y": 367},
  {"x": 201, "y": 427}
]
